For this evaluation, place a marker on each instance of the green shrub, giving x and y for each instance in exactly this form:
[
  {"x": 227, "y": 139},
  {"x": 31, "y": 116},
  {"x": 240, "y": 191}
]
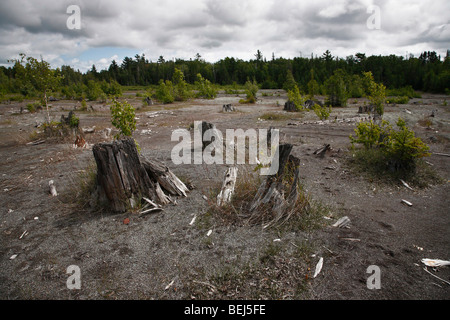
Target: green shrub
[
  {"x": 356, "y": 89},
  {"x": 164, "y": 92},
  {"x": 336, "y": 89},
  {"x": 296, "y": 97},
  {"x": 74, "y": 121},
  {"x": 94, "y": 90},
  {"x": 33, "y": 107},
  {"x": 399, "y": 148},
  {"x": 83, "y": 105},
  {"x": 313, "y": 85},
  {"x": 403, "y": 147},
  {"x": 290, "y": 82},
  {"x": 323, "y": 112},
  {"x": 375, "y": 92},
  {"x": 251, "y": 89},
  {"x": 54, "y": 129},
  {"x": 180, "y": 87},
  {"x": 233, "y": 89},
  {"x": 274, "y": 116},
  {"x": 398, "y": 100},
  {"x": 112, "y": 89},
  {"x": 248, "y": 100},
  {"x": 205, "y": 88},
  {"x": 407, "y": 91},
  {"x": 123, "y": 117}
]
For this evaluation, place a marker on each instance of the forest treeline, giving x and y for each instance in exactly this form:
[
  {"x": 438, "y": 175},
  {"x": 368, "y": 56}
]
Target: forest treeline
[{"x": 428, "y": 72}]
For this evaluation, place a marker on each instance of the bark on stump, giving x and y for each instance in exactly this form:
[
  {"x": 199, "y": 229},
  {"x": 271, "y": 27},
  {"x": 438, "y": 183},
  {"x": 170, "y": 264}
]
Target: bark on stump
[
  {"x": 123, "y": 176},
  {"x": 227, "y": 108},
  {"x": 289, "y": 106},
  {"x": 269, "y": 203},
  {"x": 205, "y": 127}
]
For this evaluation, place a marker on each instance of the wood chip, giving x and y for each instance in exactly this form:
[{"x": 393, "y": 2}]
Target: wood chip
[
  {"x": 342, "y": 222},
  {"x": 52, "y": 188},
  {"x": 169, "y": 285},
  {"x": 318, "y": 267},
  {"x": 407, "y": 202},
  {"x": 406, "y": 185},
  {"x": 351, "y": 239}
]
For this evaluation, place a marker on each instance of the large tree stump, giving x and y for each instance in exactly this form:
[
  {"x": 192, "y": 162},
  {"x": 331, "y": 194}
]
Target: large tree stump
[
  {"x": 123, "y": 177},
  {"x": 227, "y": 108},
  {"x": 269, "y": 204}
]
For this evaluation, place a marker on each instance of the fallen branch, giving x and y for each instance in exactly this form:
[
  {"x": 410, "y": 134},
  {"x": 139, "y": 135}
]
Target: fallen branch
[
  {"x": 441, "y": 154},
  {"x": 148, "y": 211},
  {"x": 436, "y": 276},
  {"x": 34, "y": 143},
  {"x": 321, "y": 151},
  {"x": 406, "y": 185}
]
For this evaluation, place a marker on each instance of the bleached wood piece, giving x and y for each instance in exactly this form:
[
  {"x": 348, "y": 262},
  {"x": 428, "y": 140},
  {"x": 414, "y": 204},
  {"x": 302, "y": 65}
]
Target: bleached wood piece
[
  {"x": 228, "y": 185},
  {"x": 52, "y": 188}
]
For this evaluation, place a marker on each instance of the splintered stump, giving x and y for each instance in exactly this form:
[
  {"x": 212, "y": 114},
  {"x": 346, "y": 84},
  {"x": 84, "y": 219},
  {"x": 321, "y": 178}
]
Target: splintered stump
[
  {"x": 269, "y": 205},
  {"x": 228, "y": 184},
  {"x": 123, "y": 176}
]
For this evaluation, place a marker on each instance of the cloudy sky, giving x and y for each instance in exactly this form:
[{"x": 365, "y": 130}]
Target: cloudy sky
[{"x": 113, "y": 29}]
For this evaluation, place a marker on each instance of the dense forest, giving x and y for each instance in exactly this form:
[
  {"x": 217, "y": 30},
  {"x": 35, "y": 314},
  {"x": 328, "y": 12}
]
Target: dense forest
[{"x": 429, "y": 72}]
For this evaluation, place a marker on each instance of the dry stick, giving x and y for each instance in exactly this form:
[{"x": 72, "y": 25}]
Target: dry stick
[
  {"x": 436, "y": 276},
  {"x": 441, "y": 154}
]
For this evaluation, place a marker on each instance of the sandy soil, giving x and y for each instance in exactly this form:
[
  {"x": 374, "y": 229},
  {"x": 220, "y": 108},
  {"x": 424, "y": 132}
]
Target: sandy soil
[{"x": 162, "y": 256}]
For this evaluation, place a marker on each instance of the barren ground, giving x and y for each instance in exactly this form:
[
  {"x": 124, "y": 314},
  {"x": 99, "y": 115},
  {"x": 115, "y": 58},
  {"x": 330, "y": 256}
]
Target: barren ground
[{"x": 162, "y": 256}]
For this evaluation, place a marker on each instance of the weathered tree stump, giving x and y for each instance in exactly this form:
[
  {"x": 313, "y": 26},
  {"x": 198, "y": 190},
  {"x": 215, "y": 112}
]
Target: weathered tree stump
[
  {"x": 204, "y": 127},
  {"x": 227, "y": 108},
  {"x": 68, "y": 121},
  {"x": 269, "y": 204},
  {"x": 309, "y": 104},
  {"x": 148, "y": 101},
  {"x": 289, "y": 106},
  {"x": 123, "y": 176}
]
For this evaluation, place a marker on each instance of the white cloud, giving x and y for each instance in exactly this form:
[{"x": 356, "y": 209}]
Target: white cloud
[{"x": 217, "y": 28}]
